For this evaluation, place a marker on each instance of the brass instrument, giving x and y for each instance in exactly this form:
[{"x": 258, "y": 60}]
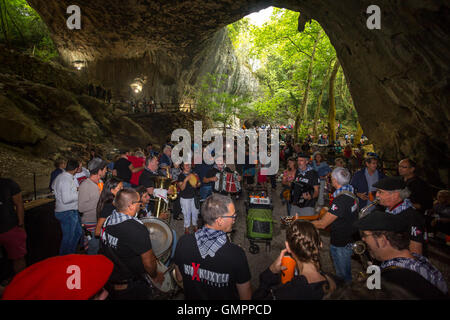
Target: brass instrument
[
  {"x": 172, "y": 187},
  {"x": 164, "y": 183},
  {"x": 359, "y": 248},
  {"x": 364, "y": 211}
]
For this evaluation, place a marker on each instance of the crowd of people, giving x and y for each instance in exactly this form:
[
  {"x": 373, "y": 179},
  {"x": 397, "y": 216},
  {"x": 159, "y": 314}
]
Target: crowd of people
[{"x": 99, "y": 206}]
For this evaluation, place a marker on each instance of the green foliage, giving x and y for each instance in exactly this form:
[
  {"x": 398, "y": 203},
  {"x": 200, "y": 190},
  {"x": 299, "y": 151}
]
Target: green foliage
[
  {"x": 24, "y": 29},
  {"x": 218, "y": 104},
  {"x": 283, "y": 56}
]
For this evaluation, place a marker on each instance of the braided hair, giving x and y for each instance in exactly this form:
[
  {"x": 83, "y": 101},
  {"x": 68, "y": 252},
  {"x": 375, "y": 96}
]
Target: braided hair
[{"x": 304, "y": 240}]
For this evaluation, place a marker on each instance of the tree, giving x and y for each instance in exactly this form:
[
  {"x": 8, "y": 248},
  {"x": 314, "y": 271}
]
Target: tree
[
  {"x": 23, "y": 28},
  {"x": 319, "y": 100},
  {"x": 302, "y": 112},
  {"x": 332, "y": 109},
  {"x": 220, "y": 106}
]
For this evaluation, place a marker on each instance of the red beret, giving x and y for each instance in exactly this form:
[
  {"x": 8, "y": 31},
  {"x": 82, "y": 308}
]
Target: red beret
[{"x": 68, "y": 277}]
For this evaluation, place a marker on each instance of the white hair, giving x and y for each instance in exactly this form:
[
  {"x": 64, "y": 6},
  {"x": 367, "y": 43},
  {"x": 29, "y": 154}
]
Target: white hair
[{"x": 341, "y": 175}]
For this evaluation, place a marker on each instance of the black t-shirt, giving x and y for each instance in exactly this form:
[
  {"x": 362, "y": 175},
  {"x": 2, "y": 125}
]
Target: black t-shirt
[
  {"x": 420, "y": 193},
  {"x": 211, "y": 278},
  {"x": 189, "y": 191},
  {"x": 8, "y": 216},
  {"x": 123, "y": 170},
  {"x": 412, "y": 282},
  {"x": 310, "y": 178},
  {"x": 342, "y": 230},
  {"x": 147, "y": 178},
  {"x": 108, "y": 208},
  {"x": 416, "y": 223},
  {"x": 201, "y": 170},
  {"x": 211, "y": 173},
  {"x": 298, "y": 288},
  {"x": 128, "y": 240}
]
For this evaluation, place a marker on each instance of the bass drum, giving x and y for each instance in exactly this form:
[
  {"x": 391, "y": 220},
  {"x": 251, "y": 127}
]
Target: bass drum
[{"x": 161, "y": 237}]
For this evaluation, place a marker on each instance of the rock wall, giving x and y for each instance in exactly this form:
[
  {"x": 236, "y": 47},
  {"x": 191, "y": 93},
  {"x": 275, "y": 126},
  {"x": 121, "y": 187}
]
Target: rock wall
[{"x": 398, "y": 75}]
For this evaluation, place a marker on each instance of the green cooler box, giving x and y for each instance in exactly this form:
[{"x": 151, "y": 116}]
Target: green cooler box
[{"x": 259, "y": 223}]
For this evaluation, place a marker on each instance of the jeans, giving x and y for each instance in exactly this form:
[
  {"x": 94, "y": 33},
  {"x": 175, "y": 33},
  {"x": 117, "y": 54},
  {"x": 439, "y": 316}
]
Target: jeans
[
  {"x": 320, "y": 200},
  {"x": 342, "y": 260},
  {"x": 71, "y": 231},
  {"x": 288, "y": 206},
  {"x": 205, "y": 192}
]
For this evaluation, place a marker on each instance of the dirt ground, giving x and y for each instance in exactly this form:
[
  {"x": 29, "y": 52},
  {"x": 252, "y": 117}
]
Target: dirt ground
[{"x": 438, "y": 255}]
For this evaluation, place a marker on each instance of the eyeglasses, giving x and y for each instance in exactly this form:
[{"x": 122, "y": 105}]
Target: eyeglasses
[
  {"x": 134, "y": 202},
  {"x": 404, "y": 167},
  {"x": 233, "y": 216}
]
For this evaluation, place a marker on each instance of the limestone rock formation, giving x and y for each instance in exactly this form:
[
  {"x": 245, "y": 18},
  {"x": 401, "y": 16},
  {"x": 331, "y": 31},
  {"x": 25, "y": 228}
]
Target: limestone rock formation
[{"x": 398, "y": 75}]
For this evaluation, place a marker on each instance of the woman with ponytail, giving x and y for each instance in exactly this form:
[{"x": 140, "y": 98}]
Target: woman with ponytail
[{"x": 303, "y": 244}]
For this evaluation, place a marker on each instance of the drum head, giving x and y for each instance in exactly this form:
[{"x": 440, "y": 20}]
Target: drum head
[{"x": 160, "y": 235}]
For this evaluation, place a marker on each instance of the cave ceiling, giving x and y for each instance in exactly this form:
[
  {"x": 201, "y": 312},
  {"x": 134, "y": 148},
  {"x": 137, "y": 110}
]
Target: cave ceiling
[{"x": 398, "y": 75}]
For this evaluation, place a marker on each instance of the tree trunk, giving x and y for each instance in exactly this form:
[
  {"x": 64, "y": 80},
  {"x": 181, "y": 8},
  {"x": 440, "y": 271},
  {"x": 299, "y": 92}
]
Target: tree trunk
[
  {"x": 14, "y": 24},
  {"x": 3, "y": 22},
  {"x": 319, "y": 100},
  {"x": 332, "y": 109},
  {"x": 304, "y": 106},
  {"x": 359, "y": 132}
]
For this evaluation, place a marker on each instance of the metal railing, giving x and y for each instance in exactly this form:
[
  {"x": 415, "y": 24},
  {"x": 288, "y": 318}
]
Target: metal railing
[{"x": 156, "y": 108}]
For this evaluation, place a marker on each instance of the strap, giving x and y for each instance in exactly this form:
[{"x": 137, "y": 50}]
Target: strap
[{"x": 348, "y": 193}]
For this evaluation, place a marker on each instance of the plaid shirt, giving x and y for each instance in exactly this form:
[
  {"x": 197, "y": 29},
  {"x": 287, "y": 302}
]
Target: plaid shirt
[
  {"x": 402, "y": 207},
  {"x": 347, "y": 187},
  {"x": 209, "y": 241},
  {"x": 118, "y": 217},
  {"x": 422, "y": 266}
]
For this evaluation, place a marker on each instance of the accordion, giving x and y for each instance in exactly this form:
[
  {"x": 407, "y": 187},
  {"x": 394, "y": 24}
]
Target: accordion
[
  {"x": 297, "y": 191},
  {"x": 227, "y": 182}
]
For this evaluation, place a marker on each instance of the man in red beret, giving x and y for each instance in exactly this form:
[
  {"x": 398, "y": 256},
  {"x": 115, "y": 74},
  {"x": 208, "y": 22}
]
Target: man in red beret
[{"x": 67, "y": 277}]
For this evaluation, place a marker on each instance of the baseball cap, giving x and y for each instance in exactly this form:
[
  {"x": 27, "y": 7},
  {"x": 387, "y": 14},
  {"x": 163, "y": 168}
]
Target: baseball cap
[
  {"x": 390, "y": 184},
  {"x": 68, "y": 277},
  {"x": 96, "y": 163},
  {"x": 382, "y": 221}
]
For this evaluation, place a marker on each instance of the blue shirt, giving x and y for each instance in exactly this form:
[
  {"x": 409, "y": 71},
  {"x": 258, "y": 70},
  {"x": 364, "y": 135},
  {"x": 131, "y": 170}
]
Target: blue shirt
[{"x": 322, "y": 169}]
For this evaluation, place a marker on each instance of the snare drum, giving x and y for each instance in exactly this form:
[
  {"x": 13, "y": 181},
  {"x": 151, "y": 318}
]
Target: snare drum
[{"x": 161, "y": 237}]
